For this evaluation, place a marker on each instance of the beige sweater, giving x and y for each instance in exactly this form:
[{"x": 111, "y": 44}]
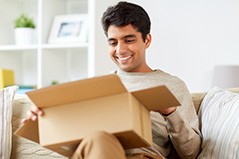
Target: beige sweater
[{"x": 179, "y": 130}]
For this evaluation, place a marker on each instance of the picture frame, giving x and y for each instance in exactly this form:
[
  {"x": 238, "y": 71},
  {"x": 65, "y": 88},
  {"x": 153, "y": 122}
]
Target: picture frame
[{"x": 71, "y": 28}]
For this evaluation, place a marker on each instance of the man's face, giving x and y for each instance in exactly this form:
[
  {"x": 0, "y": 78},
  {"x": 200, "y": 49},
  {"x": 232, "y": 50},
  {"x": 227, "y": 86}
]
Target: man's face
[{"x": 127, "y": 48}]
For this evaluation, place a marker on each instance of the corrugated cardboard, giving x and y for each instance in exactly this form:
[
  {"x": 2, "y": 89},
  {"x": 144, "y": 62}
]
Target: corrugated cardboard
[{"x": 75, "y": 109}]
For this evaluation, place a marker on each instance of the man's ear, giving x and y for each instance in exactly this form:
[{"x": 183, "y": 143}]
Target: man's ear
[{"x": 148, "y": 40}]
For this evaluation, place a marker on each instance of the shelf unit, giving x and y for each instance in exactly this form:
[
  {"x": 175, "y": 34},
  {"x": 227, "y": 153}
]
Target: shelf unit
[{"x": 42, "y": 63}]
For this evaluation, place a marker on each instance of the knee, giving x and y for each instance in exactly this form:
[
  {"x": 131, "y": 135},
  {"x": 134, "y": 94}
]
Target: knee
[
  {"x": 101, "y": 144},
  {"x": 99, "y": 136}
]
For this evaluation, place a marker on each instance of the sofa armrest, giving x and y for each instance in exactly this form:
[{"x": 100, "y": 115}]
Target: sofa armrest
[{"x": 197, "y": 99}]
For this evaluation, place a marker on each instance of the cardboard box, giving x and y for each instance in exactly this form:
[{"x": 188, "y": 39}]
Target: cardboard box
[{"x": 75, "y": 109}]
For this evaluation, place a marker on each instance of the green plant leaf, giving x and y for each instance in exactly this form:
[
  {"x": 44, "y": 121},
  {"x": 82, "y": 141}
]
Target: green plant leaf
[{"x": 24, "y": 21}]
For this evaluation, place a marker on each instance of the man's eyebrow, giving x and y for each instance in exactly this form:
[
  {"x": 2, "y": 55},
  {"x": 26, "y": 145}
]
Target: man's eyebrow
[
  {"x": 127, "y": 36},
  {"x": 111, "y": 39}
]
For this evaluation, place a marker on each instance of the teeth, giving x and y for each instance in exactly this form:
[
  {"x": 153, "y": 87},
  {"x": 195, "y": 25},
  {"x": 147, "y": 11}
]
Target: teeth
[{"x": 124, "y": 58}]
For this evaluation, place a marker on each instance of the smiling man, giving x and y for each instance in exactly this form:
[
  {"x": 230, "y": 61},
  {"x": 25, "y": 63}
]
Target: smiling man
[{"x": 175, "y": 130}]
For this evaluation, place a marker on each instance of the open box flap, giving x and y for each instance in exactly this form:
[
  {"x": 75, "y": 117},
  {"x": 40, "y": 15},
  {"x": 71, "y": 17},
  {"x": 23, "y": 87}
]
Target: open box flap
[
  {"x": 77, "y": 91},
  {"x": 156, "y": 98},
  {"x": 29, "y": 131}
]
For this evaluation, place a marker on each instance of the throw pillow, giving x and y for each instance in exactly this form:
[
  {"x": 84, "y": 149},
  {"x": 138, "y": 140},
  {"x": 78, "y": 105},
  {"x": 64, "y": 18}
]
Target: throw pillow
[
  {"x": 218, "y": 115},
  {"x": 6, "y": 99}
]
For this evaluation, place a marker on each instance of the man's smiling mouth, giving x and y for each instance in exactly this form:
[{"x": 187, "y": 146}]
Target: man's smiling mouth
[{"x": 123, "y": 59}]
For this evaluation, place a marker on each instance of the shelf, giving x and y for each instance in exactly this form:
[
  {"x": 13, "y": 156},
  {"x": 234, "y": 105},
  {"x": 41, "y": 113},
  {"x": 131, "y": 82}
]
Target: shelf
[
  {"x": 17, "y": 48},
  {"x": 44, "y": 46},
  {"x": 41, "y": 62},
  {"x": 64, "y": 46}
]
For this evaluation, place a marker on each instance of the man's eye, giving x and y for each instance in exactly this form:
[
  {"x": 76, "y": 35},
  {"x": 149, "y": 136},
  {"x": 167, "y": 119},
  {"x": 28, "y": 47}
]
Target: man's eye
[
  {"x": 112, "y": 43},
  {"x": 130, "y": 40}
]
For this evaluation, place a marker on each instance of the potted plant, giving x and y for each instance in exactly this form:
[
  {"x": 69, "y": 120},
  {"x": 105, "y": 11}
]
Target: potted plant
[{"x": 24, "y": 30}]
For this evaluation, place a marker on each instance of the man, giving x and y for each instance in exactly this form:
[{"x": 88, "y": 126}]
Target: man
[{"x": 175, "y": 130}]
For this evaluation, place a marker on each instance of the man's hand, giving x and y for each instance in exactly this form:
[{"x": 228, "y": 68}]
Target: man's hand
[
  {"x": 33, "y": 114},
  {"x": 168, "y": 111}
]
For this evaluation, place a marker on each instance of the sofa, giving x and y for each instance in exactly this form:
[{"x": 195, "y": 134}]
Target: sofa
[{"x": 24, "y": 149}]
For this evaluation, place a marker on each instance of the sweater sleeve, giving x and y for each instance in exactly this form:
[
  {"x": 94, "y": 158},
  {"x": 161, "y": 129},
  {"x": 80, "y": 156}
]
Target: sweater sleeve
[{"x": 183, "y": 126}]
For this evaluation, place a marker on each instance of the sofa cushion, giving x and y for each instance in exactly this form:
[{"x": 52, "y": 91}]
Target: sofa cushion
[
  {"x": 219, "y": 122},
  {"x": 197, "y": 99},
  {"x": 6, "y": 99}
]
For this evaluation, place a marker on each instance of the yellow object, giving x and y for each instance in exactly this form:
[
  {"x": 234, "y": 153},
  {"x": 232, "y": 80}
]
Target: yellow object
[{"x": 6, "y": 78}]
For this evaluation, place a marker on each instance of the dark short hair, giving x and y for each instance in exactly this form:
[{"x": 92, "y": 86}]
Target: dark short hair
[{"x": 125, "y": 13}]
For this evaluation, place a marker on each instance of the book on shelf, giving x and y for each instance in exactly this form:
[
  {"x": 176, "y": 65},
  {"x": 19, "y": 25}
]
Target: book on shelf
[
  {"x": 25, "y": 88},
  {"x": 6, "y": 77}
]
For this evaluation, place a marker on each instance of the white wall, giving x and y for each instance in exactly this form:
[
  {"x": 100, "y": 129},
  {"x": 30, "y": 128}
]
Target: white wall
[{"x": 190, "y": 37}]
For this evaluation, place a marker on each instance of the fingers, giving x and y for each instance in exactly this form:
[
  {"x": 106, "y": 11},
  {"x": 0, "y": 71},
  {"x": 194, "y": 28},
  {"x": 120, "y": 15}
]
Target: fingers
[
  {"x": 168, "y": 111},
  {"x": 36, "y": 111},
  {"x": 33, "y": 114},
  {"x": 24, "y": 121}
]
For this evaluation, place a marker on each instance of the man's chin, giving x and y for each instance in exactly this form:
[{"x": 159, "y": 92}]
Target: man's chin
[{"x": 126, "y": 69}]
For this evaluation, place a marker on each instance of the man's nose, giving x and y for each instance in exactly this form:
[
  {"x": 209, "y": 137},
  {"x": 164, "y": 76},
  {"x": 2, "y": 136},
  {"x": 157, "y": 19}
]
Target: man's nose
[{"x": 121, "y": 48}]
